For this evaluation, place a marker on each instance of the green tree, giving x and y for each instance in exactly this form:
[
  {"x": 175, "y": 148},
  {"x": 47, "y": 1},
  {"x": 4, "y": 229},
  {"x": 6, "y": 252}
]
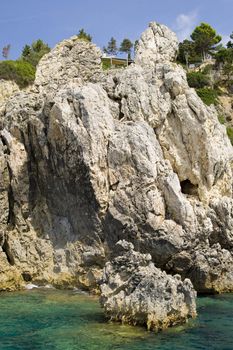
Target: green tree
[
  {"x": 126, "y": 47},
  {"x": 26, "y": 51},
  {"x": 230, "y": 43},
  {"x": 82, "y": 35},
  {"x": 136, "y": 43},
  {"x": 205, "y": 39},
  {"x": 224, "y": 56},
  {"x": 187, "y": 53},
  {"x": 35, "y": 52},
  {"x": 224, "y": 59},
  {"x": 111, "y": 48}
]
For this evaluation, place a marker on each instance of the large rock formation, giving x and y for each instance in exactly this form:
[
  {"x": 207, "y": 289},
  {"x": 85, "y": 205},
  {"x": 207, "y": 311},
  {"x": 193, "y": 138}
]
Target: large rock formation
[
  {"x": 88, "y": 158},
  {"x": 134, "y": 291}
]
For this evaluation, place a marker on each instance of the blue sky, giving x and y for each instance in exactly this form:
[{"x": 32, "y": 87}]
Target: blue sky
[{"x": 23, "y": 21}]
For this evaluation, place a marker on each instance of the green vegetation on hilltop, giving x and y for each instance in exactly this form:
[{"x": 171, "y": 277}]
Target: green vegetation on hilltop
[
  {"x": 34, "y": 52},
  {"x": 112, "y": 50},
  {"x": 21, "y": 72},
  {"x": 203, "y": 43},
  {"x": 82, "y": 35},
  {"x": 210, "y": 71}
]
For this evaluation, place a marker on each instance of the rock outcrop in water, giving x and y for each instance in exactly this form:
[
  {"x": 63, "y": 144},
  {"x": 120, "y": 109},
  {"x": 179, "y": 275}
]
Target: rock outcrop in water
[
  {"x": 134, "y": 291},
  {"x": 88, "y": 158}
]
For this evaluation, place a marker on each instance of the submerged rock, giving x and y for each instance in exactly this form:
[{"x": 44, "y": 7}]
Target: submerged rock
[{"x": 134, "y": 291}]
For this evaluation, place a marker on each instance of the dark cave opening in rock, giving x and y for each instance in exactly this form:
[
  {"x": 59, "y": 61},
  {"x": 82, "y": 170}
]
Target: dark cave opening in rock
[
  {"x": 26, "y": 276},
  {"x": 188, "y": 188}
]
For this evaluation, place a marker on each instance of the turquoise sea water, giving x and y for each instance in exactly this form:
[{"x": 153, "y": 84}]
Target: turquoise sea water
[{"x": 65, "y": 320}]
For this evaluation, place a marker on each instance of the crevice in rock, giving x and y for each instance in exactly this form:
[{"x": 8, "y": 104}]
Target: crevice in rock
[
  {"x": 188, "y": 188},
  {"x": 108, "y": 178},
  {"x": 11, "y": 215},
  {"x": 7, "y": 251},
  {"x": 6, "y": 148},
  {"x": 11, "y": 218},
  {"x": 119, "y": 101},
  {"x": 113, "y": 187}
]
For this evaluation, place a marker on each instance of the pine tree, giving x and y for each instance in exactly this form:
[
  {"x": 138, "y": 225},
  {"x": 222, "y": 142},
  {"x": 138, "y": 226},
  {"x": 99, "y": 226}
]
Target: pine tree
[
  {"x": 35, "y": 52},
  {"x": 205, "y": 39},
  {"x": 135, "y": 47},
  {"x": 111, "y": 49},
  {"x": 82, "y": 35},
  {"x": 187, "y": 53},
  {"x": 230, "y": 43},
  {"x": 126, "y": 46},
  {"x": 26, "y": 51}
]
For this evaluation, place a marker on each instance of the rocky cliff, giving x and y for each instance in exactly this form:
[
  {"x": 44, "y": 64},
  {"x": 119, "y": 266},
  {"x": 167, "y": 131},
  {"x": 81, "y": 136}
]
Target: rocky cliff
[{"x": 88, "y": 158}]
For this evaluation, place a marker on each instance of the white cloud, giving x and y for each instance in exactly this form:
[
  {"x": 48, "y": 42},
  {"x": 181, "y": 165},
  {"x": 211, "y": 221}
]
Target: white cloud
[{"x": 185, "y": 24}]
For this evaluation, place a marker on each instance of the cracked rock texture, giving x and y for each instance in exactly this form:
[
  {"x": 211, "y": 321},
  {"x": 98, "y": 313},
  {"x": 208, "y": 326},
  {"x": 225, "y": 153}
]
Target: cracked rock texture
[
  {"x": 7, "y": 88},
  {"x": 134, "y": 291},
  {"x": 89, "y": 158}
]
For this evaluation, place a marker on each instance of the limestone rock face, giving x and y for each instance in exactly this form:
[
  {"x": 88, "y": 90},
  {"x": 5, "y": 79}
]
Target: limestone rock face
[
  {"x": 89, "y": 158},
  {"x": 7, "y": 89},
  {"x": 134, "y": 291},
  {"x": 72, "y": 60},
  {"x": 157, "y": 44}
]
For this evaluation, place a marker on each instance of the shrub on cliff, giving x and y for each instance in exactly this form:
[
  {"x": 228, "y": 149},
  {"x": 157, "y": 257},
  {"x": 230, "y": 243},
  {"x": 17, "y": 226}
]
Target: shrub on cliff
[
  {"x": 208, "y": 96},
  {"x": 230, "y": 134},
  {"x": 82, "y": 35},
  {"x": 197, "y": 80},
  {"x": 23, "y": 73}
]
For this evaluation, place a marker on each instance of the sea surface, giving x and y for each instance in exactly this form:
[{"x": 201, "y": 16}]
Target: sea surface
[{"x": 68, "y": 320}]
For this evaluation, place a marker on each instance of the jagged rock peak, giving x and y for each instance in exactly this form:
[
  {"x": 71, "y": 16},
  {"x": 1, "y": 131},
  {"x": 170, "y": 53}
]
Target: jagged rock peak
[
  {"x": 134, "y": 291},
  {"x": 72, "y": 60},
  {"x": 157, "y": 44}
]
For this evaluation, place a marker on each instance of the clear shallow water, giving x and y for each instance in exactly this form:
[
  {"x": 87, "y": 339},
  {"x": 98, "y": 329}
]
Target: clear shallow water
[{"x": 63, "y": 320}]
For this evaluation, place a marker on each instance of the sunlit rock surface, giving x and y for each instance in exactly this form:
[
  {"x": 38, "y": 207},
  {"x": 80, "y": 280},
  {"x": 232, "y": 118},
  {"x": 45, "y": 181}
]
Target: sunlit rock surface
[{"x": 90, "y": 157}]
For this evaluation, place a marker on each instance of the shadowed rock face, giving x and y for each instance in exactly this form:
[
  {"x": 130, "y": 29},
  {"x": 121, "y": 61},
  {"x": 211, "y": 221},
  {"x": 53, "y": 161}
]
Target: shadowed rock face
[{"x": 89, "y": 158}]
